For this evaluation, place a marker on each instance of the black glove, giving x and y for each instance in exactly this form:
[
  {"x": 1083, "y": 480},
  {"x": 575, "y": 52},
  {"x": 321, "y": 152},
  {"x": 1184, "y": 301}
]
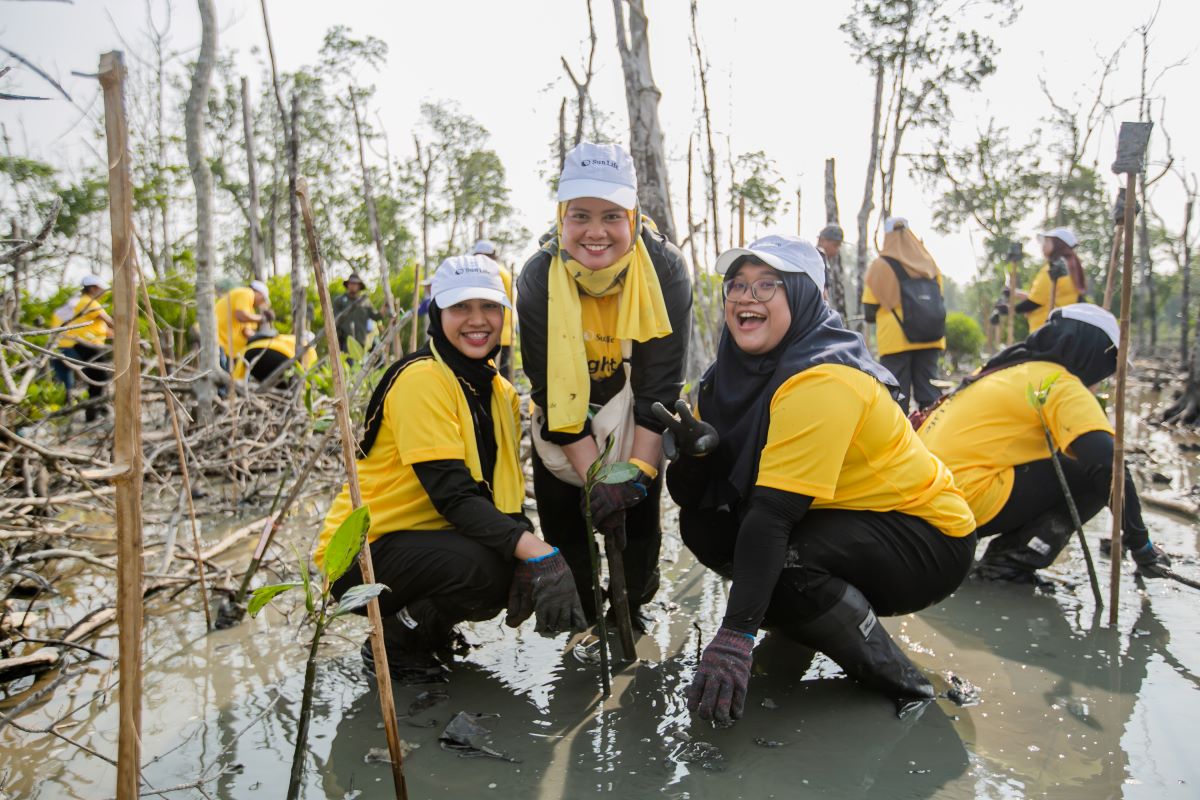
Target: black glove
[
  {"x": 685, "y": 434},
  {"x": 1149, "y": 558},
  {"x": 609, "y": 501},
  {"x": 1058, "y": 268},
  {"x": 545, "y": 586}
]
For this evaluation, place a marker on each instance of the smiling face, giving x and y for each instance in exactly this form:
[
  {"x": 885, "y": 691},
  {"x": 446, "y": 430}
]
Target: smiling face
[
  {"x": 473, "y": 326},
  {"x": 596, "y": 232},
  {"x": 757, "y": 327}
]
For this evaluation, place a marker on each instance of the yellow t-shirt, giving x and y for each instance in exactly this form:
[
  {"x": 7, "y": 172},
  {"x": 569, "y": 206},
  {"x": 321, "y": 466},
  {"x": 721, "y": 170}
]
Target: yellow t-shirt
[
  {"x": 889, "y": 336},
  {"x": 506, "y": 333},
  {"x": 86, "y": 311},
  {"x": 1039, "y": 293},
  {"x": 603, "y": 348},
  {"x": 988, "y": 428},
  {"x": 239, "y": 299},
  {"x": 838, "y": 436},
  {"x": 426, "y": 418}
]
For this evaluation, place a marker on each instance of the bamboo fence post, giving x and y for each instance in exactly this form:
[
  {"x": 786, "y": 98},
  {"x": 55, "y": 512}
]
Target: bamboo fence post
[
  {"x": 181, "y": 451},
  {"x": 341, "y": 404},
  {"x": 127, "y": 436}
]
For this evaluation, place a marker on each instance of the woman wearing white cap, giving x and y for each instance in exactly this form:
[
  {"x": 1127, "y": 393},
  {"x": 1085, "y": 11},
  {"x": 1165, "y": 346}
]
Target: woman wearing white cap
[
  {"x": 92, "y": 327},
  {"x": 818, "y": 500},
  {"x": 902, "y": 295},
  {"x": 1060, "y": 282},
  {"x": 605, "y": 308},
  {"x": 992, "y": 439},
  {"x": 438, "y": 467}
]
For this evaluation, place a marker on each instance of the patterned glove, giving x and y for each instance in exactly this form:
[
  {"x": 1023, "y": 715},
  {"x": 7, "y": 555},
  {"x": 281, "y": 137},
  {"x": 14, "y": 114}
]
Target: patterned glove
[
  {"x": 719, "y": 689},
  {"x": 609, "y": 501},
  {"x": 544, "y": 586}
]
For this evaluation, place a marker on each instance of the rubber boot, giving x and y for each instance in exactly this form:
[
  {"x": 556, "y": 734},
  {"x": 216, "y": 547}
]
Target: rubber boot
[
  {"x": 412, "y": 637},
  {"x": 851, "y": 634},
  {"x": 1016, "y": 556}
]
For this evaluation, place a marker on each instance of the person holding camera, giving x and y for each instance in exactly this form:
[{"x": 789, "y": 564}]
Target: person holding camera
[{"x": 1061, "y": 282}]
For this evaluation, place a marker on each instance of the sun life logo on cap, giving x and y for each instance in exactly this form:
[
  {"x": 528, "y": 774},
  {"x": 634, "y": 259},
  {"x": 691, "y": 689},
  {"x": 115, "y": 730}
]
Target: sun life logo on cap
[{"x": 599, "y": 162}]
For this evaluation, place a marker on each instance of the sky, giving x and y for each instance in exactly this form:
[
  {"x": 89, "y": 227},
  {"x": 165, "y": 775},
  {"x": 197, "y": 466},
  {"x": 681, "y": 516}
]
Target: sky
[{"x": 782, "y": 80}]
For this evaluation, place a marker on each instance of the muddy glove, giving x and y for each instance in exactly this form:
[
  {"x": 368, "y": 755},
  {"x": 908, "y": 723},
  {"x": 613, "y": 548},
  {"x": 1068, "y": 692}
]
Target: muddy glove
[
  {"x": 545, "y": 586},
  {"x": 719, "y": 689},
  {"x": 1149, "y": 558},
  {"x": 684, "y": 434},
  {"x": 609, "y": 501}
]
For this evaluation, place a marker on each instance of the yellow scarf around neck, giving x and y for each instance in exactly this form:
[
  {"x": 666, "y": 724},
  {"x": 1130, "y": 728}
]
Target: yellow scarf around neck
[{"x": 641, "y": 316}]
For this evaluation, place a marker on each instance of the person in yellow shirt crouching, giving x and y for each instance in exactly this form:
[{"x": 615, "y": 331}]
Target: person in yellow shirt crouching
[
  {"x": 818, "y": 500},
  {"x": 239, "y": 313},
  {"x": 268, "y": 350},
  {"x": 993, "y": 441},
  {"x": 439, "y": 469}
]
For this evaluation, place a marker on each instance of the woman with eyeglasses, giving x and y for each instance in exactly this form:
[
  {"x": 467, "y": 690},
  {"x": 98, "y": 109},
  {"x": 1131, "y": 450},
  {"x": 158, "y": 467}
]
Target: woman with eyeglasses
[
  {"x": 993, "y": 440},
  {"x": 806, "y": 486}
]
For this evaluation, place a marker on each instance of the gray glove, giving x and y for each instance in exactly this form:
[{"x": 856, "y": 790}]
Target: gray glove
[{"x": 685, "y": 434}]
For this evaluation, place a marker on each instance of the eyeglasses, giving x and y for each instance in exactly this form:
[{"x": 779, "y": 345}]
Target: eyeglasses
[{"x": 761, "y": 290}]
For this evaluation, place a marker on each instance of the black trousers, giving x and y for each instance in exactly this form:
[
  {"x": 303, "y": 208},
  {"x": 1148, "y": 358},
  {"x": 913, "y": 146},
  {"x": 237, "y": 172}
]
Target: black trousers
[
  {"x": 915, "y": 370},
  {"x": 564, "y": 527},
  {"x": 1036, "y": 492},
  {"x": 463, "y": 579},
  {"x": 97, "y": 379},
  {"x": 899, "y": 562}
]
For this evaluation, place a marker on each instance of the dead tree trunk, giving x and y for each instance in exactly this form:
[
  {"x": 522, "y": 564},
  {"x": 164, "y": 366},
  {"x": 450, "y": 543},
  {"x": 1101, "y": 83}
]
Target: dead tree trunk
[
  {"x": 299, "y": 274},
  {"x": 868, "y": 205},
  {"x": 1149, "y": 315},
  {"x": 834, "y": 285},
  {"x": 710, "y": 174},
  {"x": 645, "y": 133},
  {"x": 194, "y": 123},
  {"x": 1185, "y": 267},
  {"x": 256, "y": 253}
]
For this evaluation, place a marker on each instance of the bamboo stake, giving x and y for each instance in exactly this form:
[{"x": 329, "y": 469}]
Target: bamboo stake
[
  {"x": 181, "y": 451},
  {"x": 1118, "y": 237},
  {"x": 342, "y": 405},
  {"x": 1118, "y": 470},
  {"x": 127, "y": 435}
]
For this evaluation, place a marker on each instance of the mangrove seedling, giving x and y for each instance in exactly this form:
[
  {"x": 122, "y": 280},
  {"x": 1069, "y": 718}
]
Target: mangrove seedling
[
  {"x": 1037, "y": 398},
  {"x": 321, "y": 609}
]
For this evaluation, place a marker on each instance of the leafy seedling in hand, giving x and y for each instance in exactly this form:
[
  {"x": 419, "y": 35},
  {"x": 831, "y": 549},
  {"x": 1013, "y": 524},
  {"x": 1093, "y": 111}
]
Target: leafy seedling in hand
[
  {"x": 1037, "y": 399},
  {"x": 342, "y": 550}
]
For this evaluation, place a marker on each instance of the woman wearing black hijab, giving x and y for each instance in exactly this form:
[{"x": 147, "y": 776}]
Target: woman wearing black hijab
[
  {"x": 993, "y": 441},
  {"x": 818, "y": 500},
  {"x": 439, "y": 470}
]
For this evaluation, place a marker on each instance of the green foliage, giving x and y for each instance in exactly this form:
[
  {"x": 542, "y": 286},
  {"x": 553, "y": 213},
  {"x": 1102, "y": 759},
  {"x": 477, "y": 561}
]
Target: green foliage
[
  {"x": 345, "y": 543},
  {"x": 265, "y": 594},
  {"x": 1037, "y": 397},
  {"x": 356, "y": 597},
  {"x": 759, "y": 185},
  {"x": 964, "y": 337}
]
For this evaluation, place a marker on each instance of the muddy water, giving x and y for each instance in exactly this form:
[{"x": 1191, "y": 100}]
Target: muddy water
[{"x": 1071, "y": 708}]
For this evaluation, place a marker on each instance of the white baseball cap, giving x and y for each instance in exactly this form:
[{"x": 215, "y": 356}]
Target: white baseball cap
[
  {"x": 91, "y": 279},
  {"x": 484, "y": 247},
  {"x": 472, "y": 277},
  {"x": 1066, "y": 235},
  {"x": 891, "y": 223},
  {"x": 1095, "y": 315},
  {"x": 598, "y": 170},
  {"x": 261, "y": 288},
  {"x": 784, "y": 253}
]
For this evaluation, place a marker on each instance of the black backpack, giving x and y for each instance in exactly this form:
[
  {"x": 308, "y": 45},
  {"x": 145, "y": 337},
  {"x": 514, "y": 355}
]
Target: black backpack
[{"x": 923, "y": 306}]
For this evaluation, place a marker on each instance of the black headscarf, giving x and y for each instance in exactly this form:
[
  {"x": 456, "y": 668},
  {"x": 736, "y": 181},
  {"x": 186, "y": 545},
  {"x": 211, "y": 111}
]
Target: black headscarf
[
  {"x": 736, "y": 391},
  {"x": 474, "y": 375},
  {"x": 1083, "y": 349}
]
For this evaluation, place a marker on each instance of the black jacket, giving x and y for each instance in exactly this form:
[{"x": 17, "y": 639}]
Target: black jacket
[{"x": 656, "y": 367}]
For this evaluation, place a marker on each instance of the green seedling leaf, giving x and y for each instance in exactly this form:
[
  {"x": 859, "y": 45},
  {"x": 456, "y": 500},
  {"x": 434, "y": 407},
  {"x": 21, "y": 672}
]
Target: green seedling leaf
[
  {"x": 265, "y": 594},
  {"x": 322, "y": 425},
  {"x": 358, "y": 596},
  {"x": 619, "y": 472},
  {"x": 1031, "y": 396},
  {"x": 354, "y": 350},
  {"x": 309, "y": 601},
  {"x": 347, "y": 540},
  {"x": 1049, "y": 381}
]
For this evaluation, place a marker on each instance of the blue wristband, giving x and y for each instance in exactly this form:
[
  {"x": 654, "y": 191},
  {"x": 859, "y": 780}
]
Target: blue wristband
[{"x": 536, "y": 559}]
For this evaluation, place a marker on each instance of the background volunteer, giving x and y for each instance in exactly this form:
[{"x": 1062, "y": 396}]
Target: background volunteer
[
  {"x": 485, "y": 247},
  {"x": 1070, "y": 285},
  {"x": 605, "y": 275},
  {"x": 354, "y": 316},
  {"x": 439, "y": 470},
  {"x": 268, "y": 350},
  {"x": 239, "y": 313},
  {"x": 992, "y": 439},
  {"x": 819, "y": 501},
  {"x": 915, "y": 364},
  {"x": 87, "y": 343}
]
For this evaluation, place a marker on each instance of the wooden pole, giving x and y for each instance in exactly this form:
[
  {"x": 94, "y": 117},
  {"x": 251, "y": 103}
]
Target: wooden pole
[
  {"x": 1118, "y": 470},
  {"x": 342, "y": 405},
  {"x": 741, "y": 220},
  {"x": 1113, "y": 263},
  {"x": 127, "y": 434},
  {"x": 256, "y": 251}
]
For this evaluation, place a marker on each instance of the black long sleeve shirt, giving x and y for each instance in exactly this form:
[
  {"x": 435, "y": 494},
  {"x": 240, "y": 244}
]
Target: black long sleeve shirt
[
  {"x": 656, "y": 366},
  {"x": 468, "y": 506},
  {"x": 1094, "y": 451}
]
